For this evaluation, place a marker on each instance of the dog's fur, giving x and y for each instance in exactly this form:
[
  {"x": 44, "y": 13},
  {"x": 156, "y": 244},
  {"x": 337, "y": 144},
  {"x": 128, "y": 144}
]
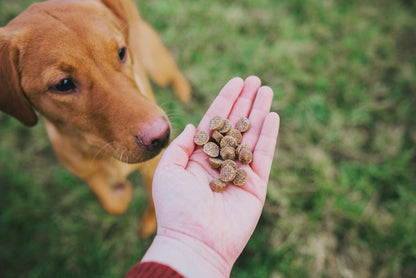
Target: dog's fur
[{"x": 66, "y": 59}]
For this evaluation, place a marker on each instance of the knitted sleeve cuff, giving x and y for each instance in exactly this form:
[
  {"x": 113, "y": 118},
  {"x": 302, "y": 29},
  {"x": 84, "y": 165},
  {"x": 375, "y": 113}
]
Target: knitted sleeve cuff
[{"x": 152, "y": 269}]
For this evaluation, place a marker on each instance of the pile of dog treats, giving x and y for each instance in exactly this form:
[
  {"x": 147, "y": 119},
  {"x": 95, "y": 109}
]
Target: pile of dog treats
[{"x": 223, "y": 148}]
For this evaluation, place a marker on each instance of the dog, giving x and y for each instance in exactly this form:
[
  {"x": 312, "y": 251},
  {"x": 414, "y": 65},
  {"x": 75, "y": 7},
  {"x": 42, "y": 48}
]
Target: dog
[{"x": 83, "y": 65}]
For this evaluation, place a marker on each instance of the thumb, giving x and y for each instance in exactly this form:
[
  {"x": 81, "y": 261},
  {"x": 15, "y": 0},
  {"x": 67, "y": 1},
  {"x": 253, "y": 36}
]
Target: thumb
[{"x": 179, "y": 151}]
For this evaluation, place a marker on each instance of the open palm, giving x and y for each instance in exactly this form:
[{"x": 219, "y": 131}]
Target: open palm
[{"x": 186, "y": 207}]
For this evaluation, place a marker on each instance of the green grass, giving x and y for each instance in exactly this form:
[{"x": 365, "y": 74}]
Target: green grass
[{"x": 342, "y": 192}]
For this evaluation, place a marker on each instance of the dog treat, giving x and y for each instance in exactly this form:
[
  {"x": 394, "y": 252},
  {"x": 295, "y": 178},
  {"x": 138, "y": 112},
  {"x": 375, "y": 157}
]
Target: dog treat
[
  {"x": 245, "y": 156},
  {"x": 240, "y": 177},
  {"x": 224, "y": 148},
  {"x": 201, "y": 138},
  {"x": 211, "y": 149},
  {"x": 236, "y": 134},
  {"x": 229, "y": 162},
  {"x": 239, "y": 147},
  {"x": 227, "y": 153},
  {"x": 217, "y": 136},
  {"x": 215, "y": 162},
  {"x": 216, "y": 123},
  {"x": 243, "y": 124},
  {"x": 227, "y": 173},
  {"x": 226, "y": 127},
  {"x": 228, "y": 141},
  {"x": 218, "y": 185}
]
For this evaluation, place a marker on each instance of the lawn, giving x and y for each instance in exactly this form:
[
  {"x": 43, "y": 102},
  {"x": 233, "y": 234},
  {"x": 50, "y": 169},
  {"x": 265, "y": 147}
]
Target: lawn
[{"x": 342, "y": 191}]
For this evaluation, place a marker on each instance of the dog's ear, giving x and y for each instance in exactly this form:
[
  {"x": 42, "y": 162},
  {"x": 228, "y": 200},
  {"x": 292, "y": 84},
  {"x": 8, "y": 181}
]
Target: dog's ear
[
  {"x": 118, "y": 9},
  {"x": 12, "y": 99}
]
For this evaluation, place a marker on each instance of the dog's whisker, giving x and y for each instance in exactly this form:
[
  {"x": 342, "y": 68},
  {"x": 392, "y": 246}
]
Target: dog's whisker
[
  {"x": 174, "y": 114},
  {"x": 162, "y": 104},
  {"x": 166, "y": 106},
  {"x": 103, "y": 149}
]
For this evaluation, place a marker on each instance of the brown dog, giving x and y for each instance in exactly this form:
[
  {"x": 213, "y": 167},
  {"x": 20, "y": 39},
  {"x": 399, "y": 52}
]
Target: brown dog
[{"x": 83, "y": 66}]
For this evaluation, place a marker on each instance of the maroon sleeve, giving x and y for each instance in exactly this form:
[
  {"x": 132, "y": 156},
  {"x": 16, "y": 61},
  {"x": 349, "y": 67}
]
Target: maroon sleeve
[{"x": 152, "y": 269}]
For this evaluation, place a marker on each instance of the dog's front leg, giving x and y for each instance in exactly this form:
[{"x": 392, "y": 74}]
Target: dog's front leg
[
  {"x": 114, "y": 196},
  {"x": 106, "y": 176},
  {"x": 148, "y": 222}
]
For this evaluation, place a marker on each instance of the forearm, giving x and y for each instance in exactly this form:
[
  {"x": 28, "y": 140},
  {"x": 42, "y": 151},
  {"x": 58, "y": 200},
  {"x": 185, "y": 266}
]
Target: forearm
[{"x": 187, "y": 256}]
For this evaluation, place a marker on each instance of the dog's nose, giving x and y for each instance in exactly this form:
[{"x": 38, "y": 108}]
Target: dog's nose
[{"x": 156, "y": 136}]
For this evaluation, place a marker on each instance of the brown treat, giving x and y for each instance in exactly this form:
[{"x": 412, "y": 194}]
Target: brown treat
[
  {"x": 239, "y": 147},
  {"x": 227, "y": 153},
  {"x": 218, "y": 185},
  {"x": 217, "y": 136},
  {"x": 226, "y": 127},
  {"x": 227, "y": 173},
  {"x": 223, "y": 153},
  {"x": 243, "y": 124},
  {"x": 230, "y": 163},
  {"x": 240, "y": 177},
  {"x": 245, "y": 156},
  {"x": 236, "y": 134},
  {"x": 201, "y": 138},
  {"x": 215, "y": 162},
  {"x": 228, "y": 141},
  {"x": 211, "y": 149},
  {"x": 216, "y": 123}
]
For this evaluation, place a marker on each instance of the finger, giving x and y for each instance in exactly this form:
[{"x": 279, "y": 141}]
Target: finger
[
  {"x": 223, "y": 103},
  {"x": 265, "y": 147},
  {"x": 261, "y": 108},
  {"x": 244, "y": 102},
  {"x": 180, "y": 149}
]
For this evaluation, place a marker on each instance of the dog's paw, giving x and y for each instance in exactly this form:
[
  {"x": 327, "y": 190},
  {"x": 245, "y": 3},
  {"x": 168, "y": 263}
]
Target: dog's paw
[
  {"x": 148, "y": 224},
  {"x": 119, "y": 199}
]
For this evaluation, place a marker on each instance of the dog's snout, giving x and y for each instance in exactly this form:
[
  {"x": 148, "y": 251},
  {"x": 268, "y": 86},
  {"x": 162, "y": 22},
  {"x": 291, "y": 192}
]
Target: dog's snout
[
  {"x": 160, "y": 142},
  {"x": 154, "y": 137}
]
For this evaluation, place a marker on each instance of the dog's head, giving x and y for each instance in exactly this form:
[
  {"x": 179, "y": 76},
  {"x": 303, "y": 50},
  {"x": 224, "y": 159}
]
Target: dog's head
[{"x": 70, "y": 60}]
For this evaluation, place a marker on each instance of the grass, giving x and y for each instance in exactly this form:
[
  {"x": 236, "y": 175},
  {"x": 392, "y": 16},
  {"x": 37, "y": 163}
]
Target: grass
[{"x": 342, "y": 192}]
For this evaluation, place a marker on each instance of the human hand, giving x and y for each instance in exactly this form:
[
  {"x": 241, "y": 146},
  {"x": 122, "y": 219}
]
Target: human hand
[{"x": 201, "y": 232}]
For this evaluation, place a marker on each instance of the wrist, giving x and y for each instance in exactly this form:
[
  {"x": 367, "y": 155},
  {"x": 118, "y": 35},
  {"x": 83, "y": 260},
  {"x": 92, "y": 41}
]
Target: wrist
[{"x": 188, "y": 256}]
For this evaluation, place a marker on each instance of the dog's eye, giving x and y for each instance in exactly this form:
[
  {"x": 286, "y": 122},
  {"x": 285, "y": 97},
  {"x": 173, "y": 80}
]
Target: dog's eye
[
  {"x": 122, "y": 54},
  {"x": 64, "y": 86}
]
